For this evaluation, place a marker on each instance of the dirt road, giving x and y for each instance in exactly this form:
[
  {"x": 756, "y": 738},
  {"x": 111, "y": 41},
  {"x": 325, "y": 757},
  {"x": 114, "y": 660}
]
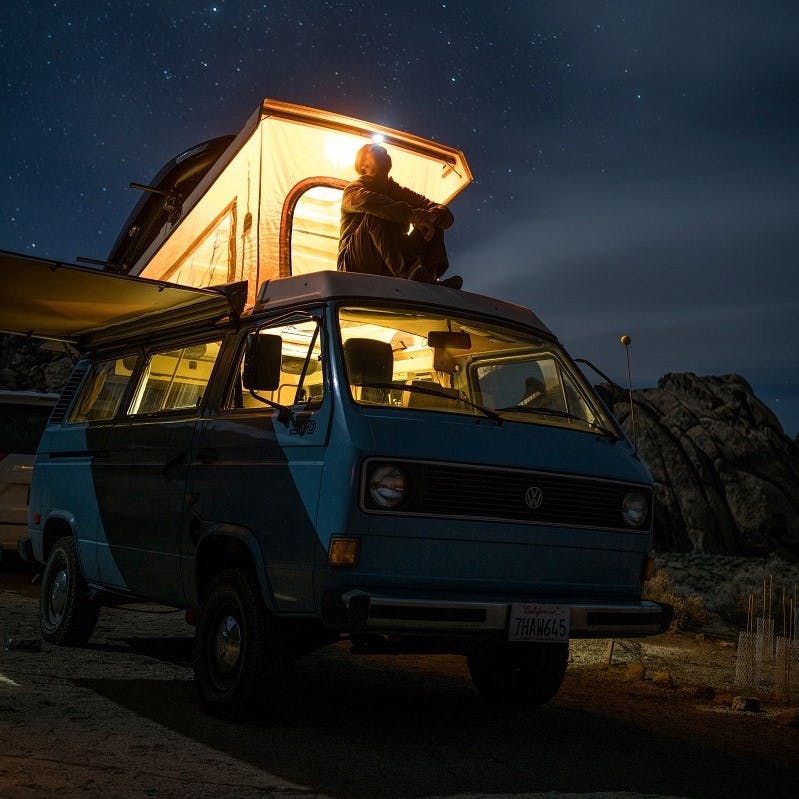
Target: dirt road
[{"x": 118, "y": 718}]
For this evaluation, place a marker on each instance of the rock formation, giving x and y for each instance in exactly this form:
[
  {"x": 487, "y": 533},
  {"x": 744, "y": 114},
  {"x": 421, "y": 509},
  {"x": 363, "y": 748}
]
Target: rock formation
[
  {"x": 726, "y": 475},
  {"x": 25, "y": 365}
]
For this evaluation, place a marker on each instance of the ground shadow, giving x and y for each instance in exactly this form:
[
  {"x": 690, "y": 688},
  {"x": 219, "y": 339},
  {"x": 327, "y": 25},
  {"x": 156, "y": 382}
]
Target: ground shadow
[
  {"x": 178, "y": 650},
  {"x": 362, "y": 730}
]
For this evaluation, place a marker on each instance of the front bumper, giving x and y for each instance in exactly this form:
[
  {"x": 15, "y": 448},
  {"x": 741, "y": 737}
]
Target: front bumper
[{"x": 358, "y": 611}]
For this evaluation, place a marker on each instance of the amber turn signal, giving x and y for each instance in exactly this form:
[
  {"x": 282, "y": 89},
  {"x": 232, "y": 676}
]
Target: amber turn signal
[
  {"x": 648, "y": 569},
  {"x": 343, "y": 551}
]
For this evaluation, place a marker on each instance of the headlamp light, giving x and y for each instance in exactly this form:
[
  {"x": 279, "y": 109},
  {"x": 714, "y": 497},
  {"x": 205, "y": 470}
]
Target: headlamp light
[
  {"x": 387, "y": 486},
  {"x": 634, "y": 508}
]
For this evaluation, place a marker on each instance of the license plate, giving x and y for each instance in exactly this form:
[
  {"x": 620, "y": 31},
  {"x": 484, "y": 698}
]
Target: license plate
[{"x": 531, "y": 622}]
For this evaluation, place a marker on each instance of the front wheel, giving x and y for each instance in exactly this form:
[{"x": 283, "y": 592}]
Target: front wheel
[
  {"x": 527, "y": 675},
  {"x": 67, "y": 615},
  {"x": 240, "y": 663}
]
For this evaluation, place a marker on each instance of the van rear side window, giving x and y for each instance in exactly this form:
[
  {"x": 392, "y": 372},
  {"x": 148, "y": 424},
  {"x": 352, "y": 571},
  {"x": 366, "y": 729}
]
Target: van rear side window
[
  {"x": 175, "y": 379},
  {"x": 102, "y": 390}
]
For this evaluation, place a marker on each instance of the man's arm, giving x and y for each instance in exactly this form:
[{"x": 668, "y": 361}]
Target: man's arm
[
  {"x": 397, "y": 204},
  {"x": 357, "y": 199},
  {"x": 424, "y": 211}
]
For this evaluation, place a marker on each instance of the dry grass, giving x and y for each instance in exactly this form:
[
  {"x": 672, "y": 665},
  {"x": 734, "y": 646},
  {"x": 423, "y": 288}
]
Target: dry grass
[
  {"x": 720, "y": 586},
  {"x": 689, "y": 609}
]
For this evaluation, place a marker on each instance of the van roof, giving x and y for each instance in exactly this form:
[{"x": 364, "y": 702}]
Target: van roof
[{"x": 349, "y": 286}]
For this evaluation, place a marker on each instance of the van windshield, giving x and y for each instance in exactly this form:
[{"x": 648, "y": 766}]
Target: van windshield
[{"x": 429, "y": 361}]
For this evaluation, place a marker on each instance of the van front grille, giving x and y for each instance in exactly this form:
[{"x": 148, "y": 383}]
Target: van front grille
[{"x": 475, "y": 492}]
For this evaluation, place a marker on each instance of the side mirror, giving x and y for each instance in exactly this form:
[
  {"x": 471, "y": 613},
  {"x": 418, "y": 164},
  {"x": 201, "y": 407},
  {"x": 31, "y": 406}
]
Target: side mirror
[{"x": 262, "y": 362}]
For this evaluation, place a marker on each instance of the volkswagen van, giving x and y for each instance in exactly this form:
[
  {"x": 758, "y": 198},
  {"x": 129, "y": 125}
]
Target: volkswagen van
[{"x": 407, "y": 466}]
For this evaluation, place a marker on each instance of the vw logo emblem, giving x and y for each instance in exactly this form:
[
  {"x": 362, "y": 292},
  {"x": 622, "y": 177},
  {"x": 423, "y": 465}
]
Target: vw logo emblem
[{"x": 533, "y": 497}]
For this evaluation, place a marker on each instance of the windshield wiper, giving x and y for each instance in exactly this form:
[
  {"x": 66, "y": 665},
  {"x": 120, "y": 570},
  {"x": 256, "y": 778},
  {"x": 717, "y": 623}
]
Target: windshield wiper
[
  {"x": 433, "y": 393},
  {"x": 558, "y": 413}
]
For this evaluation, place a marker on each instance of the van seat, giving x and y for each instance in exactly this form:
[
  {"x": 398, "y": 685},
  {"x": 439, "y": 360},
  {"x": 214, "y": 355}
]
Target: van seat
[
  {"x": 428, "y": 401},
  {"x": 369, "y": 361}
]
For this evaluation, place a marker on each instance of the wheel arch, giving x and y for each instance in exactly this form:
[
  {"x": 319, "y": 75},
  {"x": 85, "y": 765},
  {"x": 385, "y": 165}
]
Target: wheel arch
[
  {"x": 55, "y": 528},
  {"x": 226, "y": 546}
]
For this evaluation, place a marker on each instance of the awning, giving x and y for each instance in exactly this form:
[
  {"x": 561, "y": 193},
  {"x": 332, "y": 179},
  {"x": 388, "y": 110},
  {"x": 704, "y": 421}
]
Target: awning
[{"x": 65, "y": 302}]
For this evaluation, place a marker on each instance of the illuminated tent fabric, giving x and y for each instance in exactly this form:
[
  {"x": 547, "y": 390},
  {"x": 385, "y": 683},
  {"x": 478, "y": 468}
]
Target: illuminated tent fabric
[{"x": 270, "y": 206}]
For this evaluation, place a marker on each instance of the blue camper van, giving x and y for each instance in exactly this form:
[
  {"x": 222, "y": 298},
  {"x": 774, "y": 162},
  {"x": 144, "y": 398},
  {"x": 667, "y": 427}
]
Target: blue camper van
[{"x": 412, "y": 467}]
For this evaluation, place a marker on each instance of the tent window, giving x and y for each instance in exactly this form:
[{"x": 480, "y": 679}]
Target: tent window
[
  {"x": 211, "y": 261},
  {"x": 313, "y": 212}
]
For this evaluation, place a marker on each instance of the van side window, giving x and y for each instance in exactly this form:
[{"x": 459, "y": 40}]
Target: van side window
[
  {"x": 175, "y": 379},
  {"x": 301, "y": 377},
  {"x": 101, "y": 394}
]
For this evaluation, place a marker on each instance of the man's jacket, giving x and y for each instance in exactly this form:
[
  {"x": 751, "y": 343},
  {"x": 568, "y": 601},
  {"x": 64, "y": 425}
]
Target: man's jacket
[{"x": 387, "y": 200}]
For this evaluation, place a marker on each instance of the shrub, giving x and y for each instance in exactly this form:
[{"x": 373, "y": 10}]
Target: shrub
[
  {"x": 730, "y": 598},
  {"x": 689, "y": 609}
]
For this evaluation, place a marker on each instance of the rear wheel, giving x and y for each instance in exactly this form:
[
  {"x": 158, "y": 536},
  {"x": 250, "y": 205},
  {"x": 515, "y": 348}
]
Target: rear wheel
[
  {"x": 67, "y": 615},
  {"x": 240, "y": 663},
  {"x": 526, "y": 675}
]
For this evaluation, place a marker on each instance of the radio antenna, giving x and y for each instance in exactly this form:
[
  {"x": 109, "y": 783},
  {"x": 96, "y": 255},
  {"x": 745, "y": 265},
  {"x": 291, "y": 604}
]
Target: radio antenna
[{"x": 626, "y": 340}]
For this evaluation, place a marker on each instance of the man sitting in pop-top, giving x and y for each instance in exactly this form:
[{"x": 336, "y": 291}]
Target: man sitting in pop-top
[{"x": 375, "y": 215}]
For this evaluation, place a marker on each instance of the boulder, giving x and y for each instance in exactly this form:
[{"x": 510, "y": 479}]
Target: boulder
[
  {"x": 664, "y": 679},
  {"x": 30, "y": 365},
  {"x": 635, "y": 672},
  {"x": 746, "y": 704},
  {"x": 726, "y": 475}
]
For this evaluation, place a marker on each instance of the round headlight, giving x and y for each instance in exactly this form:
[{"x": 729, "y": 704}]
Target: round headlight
[
  {"x": 634, "y": 508},
  {"x": 387, "y": 486}
]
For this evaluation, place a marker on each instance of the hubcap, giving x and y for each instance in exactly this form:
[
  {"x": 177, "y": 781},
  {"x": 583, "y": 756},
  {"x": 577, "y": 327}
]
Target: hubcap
[
  {"x": 228, "y": 644},
  {"x": 58, "y": 595}
]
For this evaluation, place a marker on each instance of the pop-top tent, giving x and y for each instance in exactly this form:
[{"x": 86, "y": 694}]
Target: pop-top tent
[{"x": 270, "y": 205}]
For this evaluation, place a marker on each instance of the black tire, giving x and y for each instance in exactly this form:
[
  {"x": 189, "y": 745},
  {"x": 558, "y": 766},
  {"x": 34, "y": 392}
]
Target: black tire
[
  {"x": 240, "y": 663},
  {"x": 67, "y": 615},
  {"x": 528, "y": 675}
]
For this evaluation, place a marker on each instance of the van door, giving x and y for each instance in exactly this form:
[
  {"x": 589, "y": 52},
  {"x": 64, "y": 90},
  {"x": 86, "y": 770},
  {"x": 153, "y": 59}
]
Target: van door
[
  {"x": 258, "y": 467},
  {"x": 142, "y": 482},
  {"x": 72, "y": 453}
]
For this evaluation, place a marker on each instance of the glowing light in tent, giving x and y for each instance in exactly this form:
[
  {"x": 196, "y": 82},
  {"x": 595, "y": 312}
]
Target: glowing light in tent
[
  {"x": 340, "y": 150},
  {"x": 377, "y": 138}
]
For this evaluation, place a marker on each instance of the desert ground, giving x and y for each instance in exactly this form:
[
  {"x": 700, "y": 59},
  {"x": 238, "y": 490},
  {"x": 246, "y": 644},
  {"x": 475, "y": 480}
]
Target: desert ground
[{"x": 119, "y": 718}]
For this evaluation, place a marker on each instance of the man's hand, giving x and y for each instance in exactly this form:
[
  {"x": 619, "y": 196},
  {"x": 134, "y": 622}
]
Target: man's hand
[{"x": 424, "y": 222}]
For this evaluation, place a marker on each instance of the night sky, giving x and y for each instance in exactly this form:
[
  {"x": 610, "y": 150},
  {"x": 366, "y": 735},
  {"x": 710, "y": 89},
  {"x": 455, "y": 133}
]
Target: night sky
[{"x": 636, "y": 163}]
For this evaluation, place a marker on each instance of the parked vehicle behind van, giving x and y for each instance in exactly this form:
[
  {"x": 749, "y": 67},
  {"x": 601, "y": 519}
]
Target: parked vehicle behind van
[
  {"x": 23, "y": 416},
  {"x": 415, "y": 468}
]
